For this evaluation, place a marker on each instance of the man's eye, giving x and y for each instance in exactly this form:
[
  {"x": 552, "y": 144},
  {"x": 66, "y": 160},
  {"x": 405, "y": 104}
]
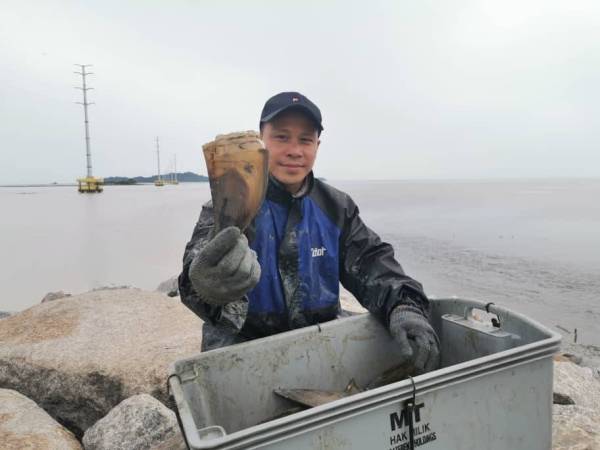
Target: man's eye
[
  {"x": 306, "y": 141},
  {"x": 280, "y": 137}
]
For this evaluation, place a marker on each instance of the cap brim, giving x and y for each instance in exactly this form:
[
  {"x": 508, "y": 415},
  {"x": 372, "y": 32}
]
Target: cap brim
[{"x": 291, "y": 107}]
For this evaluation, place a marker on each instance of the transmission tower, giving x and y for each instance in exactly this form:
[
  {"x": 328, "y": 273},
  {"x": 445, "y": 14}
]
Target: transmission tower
[
  {"x": 175, "y": 170},
  {"x": 89, "y": 183},
  {"x": 158, "y": 181}
]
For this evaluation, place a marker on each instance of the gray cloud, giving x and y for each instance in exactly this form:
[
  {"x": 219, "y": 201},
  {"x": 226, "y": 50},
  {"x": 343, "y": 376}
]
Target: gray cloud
[{"x": 408, "y": 89}]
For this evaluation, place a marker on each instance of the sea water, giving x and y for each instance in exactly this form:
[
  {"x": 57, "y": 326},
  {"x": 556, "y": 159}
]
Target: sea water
[{"x": 530, "y": 245}]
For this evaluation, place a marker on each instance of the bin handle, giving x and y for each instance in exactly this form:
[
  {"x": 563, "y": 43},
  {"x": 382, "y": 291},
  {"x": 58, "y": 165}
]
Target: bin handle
[{"x": 495, "y": 320}]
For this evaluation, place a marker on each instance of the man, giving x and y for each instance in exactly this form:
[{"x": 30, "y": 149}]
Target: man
[{"x": 284, "y": 273}]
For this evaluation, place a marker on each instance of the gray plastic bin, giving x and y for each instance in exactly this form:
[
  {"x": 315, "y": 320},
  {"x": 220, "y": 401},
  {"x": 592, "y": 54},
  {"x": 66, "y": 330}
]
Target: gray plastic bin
[{"x": 494, "y": 390}]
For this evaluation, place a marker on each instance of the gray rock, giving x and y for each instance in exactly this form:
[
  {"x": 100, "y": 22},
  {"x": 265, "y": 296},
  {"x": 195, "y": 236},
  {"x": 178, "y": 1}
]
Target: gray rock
[
  {"x": 4, "y": 314},
  {"x": 169, "y": 287},
  {"x": 50, "y": 296},
  {"x": 569, "y": 357},
  {"x": 562, "y": 399},
  {"x": 584, "y": 355},
  {"x": 24, "y": 425},
  {"x": 577, "y": 383},
  {"x": 138, "y": 423},
  {"x": 575, "y": 428},
  {"x": 79, "y": 357},
  {"x": 112, "y": 287},
  {"x": 174, "y": 442}
]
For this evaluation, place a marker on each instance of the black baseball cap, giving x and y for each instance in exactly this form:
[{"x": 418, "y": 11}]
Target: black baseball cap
[{"x": 291, "y": 100}]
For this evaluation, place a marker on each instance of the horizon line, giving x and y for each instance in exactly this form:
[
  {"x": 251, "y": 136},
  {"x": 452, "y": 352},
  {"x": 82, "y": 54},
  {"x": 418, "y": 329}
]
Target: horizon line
[{"x": 371, "y": 180}]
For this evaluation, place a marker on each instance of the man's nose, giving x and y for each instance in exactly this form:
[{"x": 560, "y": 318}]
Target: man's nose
[{"x": 294, "y": 150}]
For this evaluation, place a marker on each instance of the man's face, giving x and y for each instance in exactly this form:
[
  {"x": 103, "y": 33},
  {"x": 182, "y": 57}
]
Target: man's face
[{"x": 292, "y": 141}]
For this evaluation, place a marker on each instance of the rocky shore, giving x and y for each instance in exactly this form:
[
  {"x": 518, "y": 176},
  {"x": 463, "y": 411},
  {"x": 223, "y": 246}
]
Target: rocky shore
[{"x": 89, "y": 371}]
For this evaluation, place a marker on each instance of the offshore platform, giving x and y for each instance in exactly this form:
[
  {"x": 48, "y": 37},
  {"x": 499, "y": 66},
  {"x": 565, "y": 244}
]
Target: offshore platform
[{"x": 89, "y": 184}]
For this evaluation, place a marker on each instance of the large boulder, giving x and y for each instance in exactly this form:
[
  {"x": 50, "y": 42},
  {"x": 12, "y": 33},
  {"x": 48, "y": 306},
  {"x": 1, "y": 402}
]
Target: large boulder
[
  {"x": 78, "y": 357},
  {"x": 139, "y": 423},
  {"x": 24, "y": 425},
  {"x": 576, "y": 426}
]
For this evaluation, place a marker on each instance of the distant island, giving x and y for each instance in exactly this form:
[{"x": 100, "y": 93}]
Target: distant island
[{"x": 182, "y": 177}]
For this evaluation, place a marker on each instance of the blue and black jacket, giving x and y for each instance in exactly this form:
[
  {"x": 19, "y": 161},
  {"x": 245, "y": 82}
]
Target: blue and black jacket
[{"x": 306, "y": 246}]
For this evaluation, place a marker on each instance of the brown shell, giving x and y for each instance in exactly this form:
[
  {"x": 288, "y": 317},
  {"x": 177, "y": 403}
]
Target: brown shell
[{"x": 238, "y": 171}]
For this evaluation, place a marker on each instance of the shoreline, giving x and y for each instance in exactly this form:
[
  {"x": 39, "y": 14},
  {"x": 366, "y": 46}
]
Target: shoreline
[{"x": 75, "y": 184}]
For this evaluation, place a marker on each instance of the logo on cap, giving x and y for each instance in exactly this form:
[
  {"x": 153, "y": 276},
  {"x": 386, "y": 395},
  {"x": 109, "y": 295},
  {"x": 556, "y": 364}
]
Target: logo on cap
[{"x": 295, "y": 99}]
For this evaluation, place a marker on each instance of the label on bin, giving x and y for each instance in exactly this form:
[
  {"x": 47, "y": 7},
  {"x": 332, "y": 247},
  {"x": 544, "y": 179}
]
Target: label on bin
[{"x": 399, "y": 430}]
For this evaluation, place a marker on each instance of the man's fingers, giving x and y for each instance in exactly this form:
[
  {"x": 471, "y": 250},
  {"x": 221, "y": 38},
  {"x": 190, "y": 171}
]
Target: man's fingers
[
  {"x": 225, "y": 269},
  {"x": 401, "y": 338},
  {"x": 245, "y": 266},
  {"x": 434, "y": 358},
  {"x": 406, "y": 325},
  {"x": 230, "y": 263},
  {"x": 246, "y": 277},
  {"x": 422, "y": 349},
  {"x": 255, "y": 273},
  {"x": 224, "y": 241}
]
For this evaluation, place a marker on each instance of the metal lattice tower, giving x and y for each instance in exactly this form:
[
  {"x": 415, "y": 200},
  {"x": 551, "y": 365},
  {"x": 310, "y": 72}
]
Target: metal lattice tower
[
  {"x": 158, "y": 159},
  {"x": 85, "y": 104}
]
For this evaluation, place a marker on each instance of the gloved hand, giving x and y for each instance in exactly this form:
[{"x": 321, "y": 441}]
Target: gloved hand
[
  {"x": 225, "y": 269},
  {"x": 418, "y": 342}
]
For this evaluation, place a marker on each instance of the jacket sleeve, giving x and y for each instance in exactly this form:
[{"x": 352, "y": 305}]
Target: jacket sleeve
[
  {"x": 189, "y": 296},
  {"x": 370, "y": 272}
]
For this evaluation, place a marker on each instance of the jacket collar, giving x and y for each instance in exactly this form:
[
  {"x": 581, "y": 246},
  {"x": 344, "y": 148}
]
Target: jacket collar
[{"x": 277, "y": 192}]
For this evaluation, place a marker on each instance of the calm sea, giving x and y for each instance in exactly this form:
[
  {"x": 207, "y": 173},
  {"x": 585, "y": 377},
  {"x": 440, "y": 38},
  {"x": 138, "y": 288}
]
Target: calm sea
[{"x": 530, "y": 245}]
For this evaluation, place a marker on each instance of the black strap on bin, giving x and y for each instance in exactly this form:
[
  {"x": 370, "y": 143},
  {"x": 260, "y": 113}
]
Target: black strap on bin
[
  {"x": 177, "y": 410},
  {"x": 410, "y": 407}
]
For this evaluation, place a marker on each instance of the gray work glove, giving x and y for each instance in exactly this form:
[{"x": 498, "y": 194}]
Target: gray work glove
[
  {"x": 419, "y": 345},
  {"x": 225, "y": 269}
]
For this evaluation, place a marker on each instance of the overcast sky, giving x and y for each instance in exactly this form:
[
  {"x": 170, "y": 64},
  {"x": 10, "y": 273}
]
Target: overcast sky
[{"x": 408, "y": 89}]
